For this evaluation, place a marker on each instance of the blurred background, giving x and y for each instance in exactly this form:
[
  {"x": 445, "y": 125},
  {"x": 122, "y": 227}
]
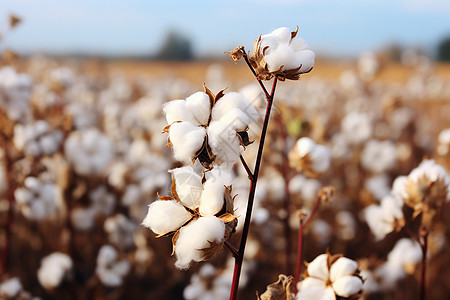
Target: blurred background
[{"x": 81, "y": 88}]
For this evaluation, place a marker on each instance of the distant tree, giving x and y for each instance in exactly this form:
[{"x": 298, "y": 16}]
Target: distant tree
[
  {"x": 175, "y": 47},
  {"x": 444, "y": 50}
]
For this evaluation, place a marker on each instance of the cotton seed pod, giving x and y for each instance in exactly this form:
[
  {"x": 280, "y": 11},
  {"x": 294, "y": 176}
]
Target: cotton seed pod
[
  {"x": 283, "y": 54},
  {"x": 331, "y": 276},
  {"x": 310, "y": 158},
  {"x": 426, "y": 190}
]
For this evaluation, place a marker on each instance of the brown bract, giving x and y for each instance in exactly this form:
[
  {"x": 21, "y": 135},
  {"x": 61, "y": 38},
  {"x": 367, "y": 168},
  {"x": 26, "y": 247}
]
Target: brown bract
[
  {"x": 427, "y": 197},
  {"x": 280, "y": 290}
]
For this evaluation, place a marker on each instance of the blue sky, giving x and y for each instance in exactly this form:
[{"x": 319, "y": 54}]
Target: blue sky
[{"x": 344, "y": 28}]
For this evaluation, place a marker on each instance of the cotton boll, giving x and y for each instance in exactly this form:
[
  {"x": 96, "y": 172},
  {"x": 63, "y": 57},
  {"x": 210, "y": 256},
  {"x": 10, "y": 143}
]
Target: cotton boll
[
  {"x": 196, "y": 236},
  {"x": 109, "y": 270},
  {"x": 165, "y": 216},
  {"x": 200, "y": 106},
  {"x": 187, "y": 140},
  {"x": 53, "y": 269},
  {"x": 320, "y": 158},
  {"x": 188, "y": 186},
  {"x": 83, "y": 219},
  {"x": 10, "y": 288},
  {"x": 176, "y": 110}
]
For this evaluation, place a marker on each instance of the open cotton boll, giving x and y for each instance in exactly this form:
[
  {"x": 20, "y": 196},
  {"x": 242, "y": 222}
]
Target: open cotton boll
[
  {"x": 188, "y": 186},
  {"x": 165, "y": 216},
  {"x": 53, "y": 269},
  {"x": 187, "y": 139},
  {"x": 10, "y": 288},
  {"x": 320, "y": 158},
  {"x": 176, "y": 110},
  {"x": 196, "y": 236},
  {"x": 200, "y": 106},
  {"x": 305, "y": 146}
]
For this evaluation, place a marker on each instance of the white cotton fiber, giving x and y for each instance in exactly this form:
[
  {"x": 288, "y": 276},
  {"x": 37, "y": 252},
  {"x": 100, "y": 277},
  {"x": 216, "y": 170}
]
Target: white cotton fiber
[
  {"x": 212, "y": 199},
  {"x": 53, "y": 268},
  {"x": 188, "y": 186},
  {"x": 232, "y": 101},
  {"x": 165, "y": 216},
  {"x": 224, "y": 142},
  {"x": 305, "y": 146},
  {"x": 342, "y": 267},
  {"x": 187, "y": 139},
  {"x": 176, "y": 110},
  {"x": 320, "y": 158},
  {"x": 197, "y": 236},
  {"x": 199, "y": 106}
]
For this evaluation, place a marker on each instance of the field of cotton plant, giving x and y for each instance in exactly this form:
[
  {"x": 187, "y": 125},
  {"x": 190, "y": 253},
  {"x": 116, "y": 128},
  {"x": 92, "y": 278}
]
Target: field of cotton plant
[{"x": 126, "y": 180}]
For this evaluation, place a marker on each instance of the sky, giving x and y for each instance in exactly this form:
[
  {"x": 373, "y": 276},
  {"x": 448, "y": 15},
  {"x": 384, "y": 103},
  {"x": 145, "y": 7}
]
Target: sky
[{"x": 132, "y": 27}]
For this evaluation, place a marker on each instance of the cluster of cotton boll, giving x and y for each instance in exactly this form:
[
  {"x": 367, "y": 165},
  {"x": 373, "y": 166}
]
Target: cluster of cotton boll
[
  {"x": 101, "y": 202},
  {"x": 97, "y": 136},
  {"x": 89, "y": 151},
  {"x": 37, "y": 139},
  {"x": 14, "y": 93},
  {"x": 37, "y": 200},
  {"x": 110, "y": 269}
]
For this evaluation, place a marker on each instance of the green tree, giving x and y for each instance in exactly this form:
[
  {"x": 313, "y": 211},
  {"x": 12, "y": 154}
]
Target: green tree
[
  {"x": 175, "y": 47},
  {"x": 444, "y": 50}
]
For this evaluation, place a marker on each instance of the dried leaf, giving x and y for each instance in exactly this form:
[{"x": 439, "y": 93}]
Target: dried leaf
[
  {"x": 226, "y": 218},
  {"x": 174, "y": 240},
  {"x": 173, "y": 190},
  {"x": 237, "y": 53},
  {"x": 280, "y": 290},
  {"x": 294, "y": 33},
  {"x": 164, "y": 198},
  {"x": 14, "y": 20}
]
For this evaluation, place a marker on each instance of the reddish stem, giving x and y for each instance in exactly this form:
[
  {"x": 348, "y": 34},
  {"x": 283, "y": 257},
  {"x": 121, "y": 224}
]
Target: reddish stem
[
  {"x": 424, "y": 247},
  {"x": 251, "y": 196},
  {"x": 10, "y": 215},
  {"x": 300, "y": 242}
]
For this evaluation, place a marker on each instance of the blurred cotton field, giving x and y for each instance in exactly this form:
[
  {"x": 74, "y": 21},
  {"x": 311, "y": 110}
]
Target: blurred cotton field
[{"x": 83, "y": 156}]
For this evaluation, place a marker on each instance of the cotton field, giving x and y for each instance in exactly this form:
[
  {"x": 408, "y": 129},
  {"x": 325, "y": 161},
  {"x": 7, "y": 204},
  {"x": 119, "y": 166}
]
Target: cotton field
[{"x": 131, "y": 181}]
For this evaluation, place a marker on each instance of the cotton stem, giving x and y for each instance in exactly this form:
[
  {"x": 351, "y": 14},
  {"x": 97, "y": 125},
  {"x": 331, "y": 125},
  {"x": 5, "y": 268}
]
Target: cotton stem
[{"x": 251, "y": 196}]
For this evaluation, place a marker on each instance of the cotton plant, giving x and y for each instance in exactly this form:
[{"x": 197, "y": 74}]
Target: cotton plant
[
  {"x": 15, "y": 91},
  {"x": 38, "y": 199},
  {"x": 37, "y": 139},
  {"x": 213, "y": 130}
]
